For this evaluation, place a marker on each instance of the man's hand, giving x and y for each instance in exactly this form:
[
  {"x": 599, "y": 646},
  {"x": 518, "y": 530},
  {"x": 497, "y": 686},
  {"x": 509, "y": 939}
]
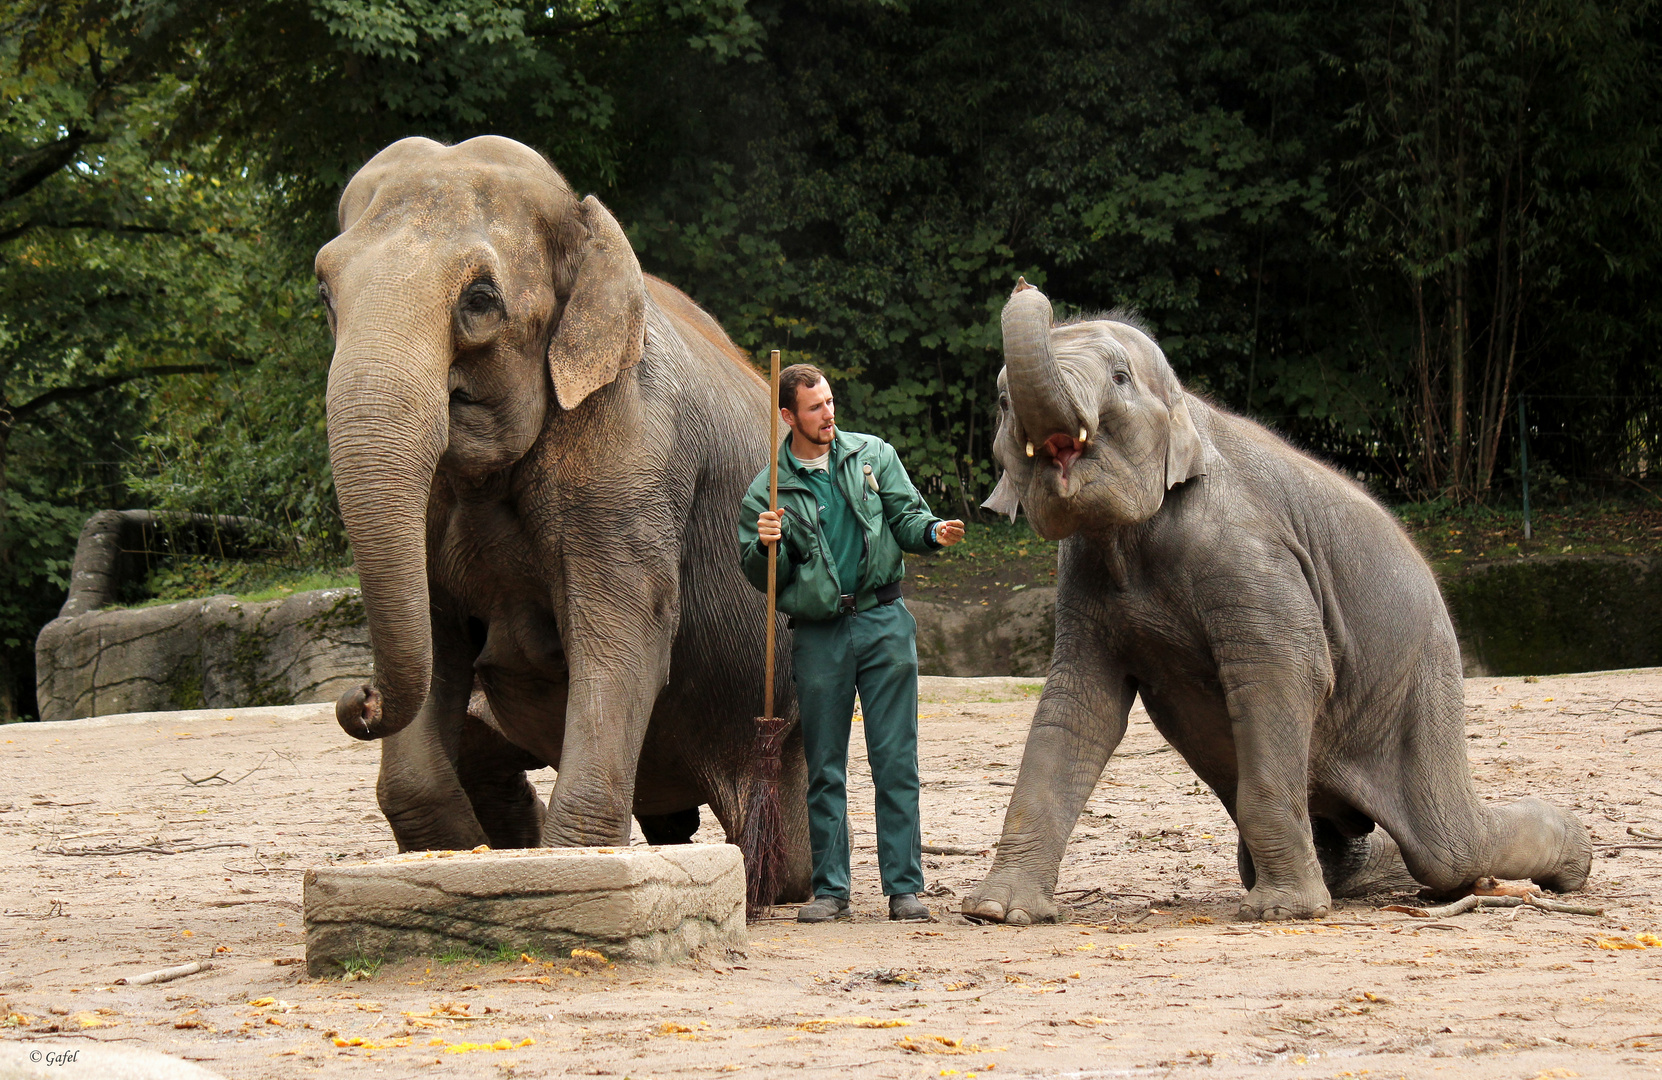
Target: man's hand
[
  {"x": 767, "y": 527},
  {"x": 948, "y": 533}
]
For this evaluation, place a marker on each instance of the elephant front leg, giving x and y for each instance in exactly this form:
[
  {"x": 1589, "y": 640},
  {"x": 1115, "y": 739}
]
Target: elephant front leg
[
  {"x": 618, "y": 642},
  {"x": 1271, "y": 717},
  {"x": 594, "y": 794},
  {"x": 1080, "y": 719},
  {"x": 419, "y": 788}
]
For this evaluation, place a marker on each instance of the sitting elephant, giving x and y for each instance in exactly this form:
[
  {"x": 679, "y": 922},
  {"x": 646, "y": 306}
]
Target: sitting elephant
[
  {"x": 540, "y": 454},
  {"x": 1284, "y": 634}
]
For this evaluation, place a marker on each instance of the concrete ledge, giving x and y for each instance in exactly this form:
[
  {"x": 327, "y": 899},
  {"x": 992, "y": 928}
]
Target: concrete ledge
[
  {"x": 948, "y": 689},
  {"x": 655, "y": 904}
]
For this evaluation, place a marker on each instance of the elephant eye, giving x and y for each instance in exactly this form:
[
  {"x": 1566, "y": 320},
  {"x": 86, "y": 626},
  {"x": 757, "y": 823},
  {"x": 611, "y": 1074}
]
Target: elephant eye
[
  {"x": 1004, "y": 402},
  {"x": 1122, "y": 378},
  {"x": 323, "y": 295},
  {"x": 481, "y": 298}
]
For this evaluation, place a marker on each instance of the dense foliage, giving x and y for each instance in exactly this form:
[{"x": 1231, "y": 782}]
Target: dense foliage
[{"x": 1372, "y": 224}]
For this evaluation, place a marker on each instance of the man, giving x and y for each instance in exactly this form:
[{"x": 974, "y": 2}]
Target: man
[{"x": 847, "y": 510}]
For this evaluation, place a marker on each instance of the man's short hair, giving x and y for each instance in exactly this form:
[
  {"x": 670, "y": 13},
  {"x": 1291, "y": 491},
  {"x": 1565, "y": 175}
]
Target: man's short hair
[{"x": 795, "y": 377}]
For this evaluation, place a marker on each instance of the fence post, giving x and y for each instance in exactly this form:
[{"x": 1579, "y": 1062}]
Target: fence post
[{"x": 1523, "y": 460}]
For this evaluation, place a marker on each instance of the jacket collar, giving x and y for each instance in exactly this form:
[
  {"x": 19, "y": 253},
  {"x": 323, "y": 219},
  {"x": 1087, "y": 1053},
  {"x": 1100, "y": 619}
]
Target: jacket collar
[{"x": 841, "y": 447}]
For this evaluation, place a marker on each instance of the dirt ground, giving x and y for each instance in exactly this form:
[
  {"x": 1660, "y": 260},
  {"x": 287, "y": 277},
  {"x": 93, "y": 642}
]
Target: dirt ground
[{"x": 1151, "y": 978}]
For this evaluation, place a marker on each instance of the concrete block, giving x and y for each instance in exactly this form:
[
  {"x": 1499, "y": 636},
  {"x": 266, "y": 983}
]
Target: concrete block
[{"x": 655, "y": 904}]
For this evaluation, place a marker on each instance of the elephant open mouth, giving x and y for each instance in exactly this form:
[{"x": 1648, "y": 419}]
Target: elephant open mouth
[{"x": 1064, "y": 450}]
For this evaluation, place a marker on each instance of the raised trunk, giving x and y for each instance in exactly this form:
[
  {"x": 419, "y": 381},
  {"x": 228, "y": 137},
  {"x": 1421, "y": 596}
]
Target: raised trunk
[
  {"x": 388, "y": 426},
  {"x": 1038, "y": 393}
]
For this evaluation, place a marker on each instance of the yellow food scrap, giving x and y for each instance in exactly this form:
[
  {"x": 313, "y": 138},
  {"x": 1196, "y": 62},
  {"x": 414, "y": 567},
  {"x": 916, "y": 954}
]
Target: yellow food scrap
[
  {"x": 826, "y": 1022},
  {"x": 1614, "y": 943},
  {"x": 940, "y": 1044},
  {"x": 1649, "y": 941},
  {"x": 362, "y": 1043},
  {"x": 500, "y": 1044}
]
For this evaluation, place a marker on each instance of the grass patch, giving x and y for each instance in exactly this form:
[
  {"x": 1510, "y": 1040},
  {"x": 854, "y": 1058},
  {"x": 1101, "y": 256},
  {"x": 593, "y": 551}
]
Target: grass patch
[
  {"x": 362, "y": 967},
  {"x": 459, "y": 955},
  {"x": 195, "y": 577}
]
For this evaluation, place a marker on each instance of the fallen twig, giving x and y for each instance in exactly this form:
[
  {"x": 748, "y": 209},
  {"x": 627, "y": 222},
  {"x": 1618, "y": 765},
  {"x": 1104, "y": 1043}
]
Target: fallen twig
[
  {"x": 55, "y": 910},
  {"x": 165, "y": 974},
  {"x": 1559, "y": 906},
  {"x": 951, "y": 849},
  {"x": 1470, "y": 903},
  {"x": 221, "y": 777},
  {"x": 142, "y": 849},
  {"x": 1146, "y": 753},
  {"x": 1642, "y": 731}
]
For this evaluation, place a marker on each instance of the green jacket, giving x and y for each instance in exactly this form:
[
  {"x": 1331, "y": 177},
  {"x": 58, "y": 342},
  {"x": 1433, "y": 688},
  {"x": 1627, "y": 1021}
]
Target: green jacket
[{"x": 894, "y": 515}]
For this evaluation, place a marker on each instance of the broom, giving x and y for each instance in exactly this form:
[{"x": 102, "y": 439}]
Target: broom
[{"x": 763, "y": 842}]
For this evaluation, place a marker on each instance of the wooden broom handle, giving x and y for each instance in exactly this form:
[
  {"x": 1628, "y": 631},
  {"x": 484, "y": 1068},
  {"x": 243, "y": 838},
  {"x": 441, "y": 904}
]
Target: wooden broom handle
[{"x": 773, "y": 505}]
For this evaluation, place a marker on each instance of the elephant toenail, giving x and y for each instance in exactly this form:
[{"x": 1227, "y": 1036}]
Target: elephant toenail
[{"x": 1018, "y": 917}]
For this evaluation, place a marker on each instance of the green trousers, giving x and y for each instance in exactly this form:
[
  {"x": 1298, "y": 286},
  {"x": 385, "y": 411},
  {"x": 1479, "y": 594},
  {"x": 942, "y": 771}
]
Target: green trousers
[{"x": 873, "y": 652}]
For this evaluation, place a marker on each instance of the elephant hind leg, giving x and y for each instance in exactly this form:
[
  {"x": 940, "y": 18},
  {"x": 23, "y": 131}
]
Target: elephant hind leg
[
  {"x": 675, "y": 827},
  {"x": 1359, "y": 865},
  {"x": 1350, "y": 865},
  {"x": 732, "y": 799},
  {"x": 1448, "y": 836},
  {"x": 492, "y": 772}
]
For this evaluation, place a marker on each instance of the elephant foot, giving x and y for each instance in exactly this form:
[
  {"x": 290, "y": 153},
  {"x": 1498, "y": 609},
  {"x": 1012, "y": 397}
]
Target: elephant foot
[
  {"x": 1575, "y": 855},
  {"x": 1013, "y": 898},
  {"x": 1266, "y": 903}
]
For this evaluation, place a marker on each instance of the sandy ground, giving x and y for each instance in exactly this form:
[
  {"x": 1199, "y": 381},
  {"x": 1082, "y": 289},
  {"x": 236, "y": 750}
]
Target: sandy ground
[{"x": 1151, "y": 978}]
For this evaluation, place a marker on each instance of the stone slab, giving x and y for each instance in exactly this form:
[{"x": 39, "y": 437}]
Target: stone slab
[{"x": 655, "y": 904}]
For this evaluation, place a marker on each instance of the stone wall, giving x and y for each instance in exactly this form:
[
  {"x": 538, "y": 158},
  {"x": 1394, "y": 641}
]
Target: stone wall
[
  {"x": 1536, "y": 616},
  {"x": 213, "y": 653},
  {"x": 95, "y": 659},
  {"x": 1011, "y": 635}
]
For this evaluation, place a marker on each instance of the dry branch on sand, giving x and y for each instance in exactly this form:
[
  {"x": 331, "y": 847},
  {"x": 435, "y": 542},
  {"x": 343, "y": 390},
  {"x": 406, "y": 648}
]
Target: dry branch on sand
[
  {"x": 141, "y": 849},
  {"x": 167, "y": 974},
  {"x": 1472, "y": 902}
]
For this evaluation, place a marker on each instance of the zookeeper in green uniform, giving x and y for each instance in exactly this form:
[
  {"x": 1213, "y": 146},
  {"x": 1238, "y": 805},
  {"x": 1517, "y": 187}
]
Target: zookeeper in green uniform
[{"x": 847, "y": 510}]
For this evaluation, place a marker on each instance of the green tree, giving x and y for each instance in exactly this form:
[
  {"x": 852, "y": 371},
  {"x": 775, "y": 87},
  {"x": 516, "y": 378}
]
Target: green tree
[
  {"x": 1497, "y": 143},
  {"x": 116, "y": 269}
]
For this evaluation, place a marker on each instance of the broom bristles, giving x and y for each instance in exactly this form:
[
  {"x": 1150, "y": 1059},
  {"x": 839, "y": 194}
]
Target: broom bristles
[{"x": 763, "y": 839}]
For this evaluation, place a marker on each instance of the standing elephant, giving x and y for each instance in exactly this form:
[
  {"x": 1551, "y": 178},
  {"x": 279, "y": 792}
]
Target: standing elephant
[
  {"x": 540, "y": 454},
  {"x": 1283, "y": 632}
]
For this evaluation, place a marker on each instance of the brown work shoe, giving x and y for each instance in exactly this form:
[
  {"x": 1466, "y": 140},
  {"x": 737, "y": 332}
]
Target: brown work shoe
[
  {"x": 824, "y": 909},
  {"x": 906, "y": 907}
]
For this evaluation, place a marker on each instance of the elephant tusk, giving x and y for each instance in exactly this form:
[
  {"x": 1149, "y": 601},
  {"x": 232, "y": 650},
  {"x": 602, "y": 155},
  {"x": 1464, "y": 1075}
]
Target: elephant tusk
[
  {"x": 1029, "y": 449},
  {"x": 1081, "y": 435}
]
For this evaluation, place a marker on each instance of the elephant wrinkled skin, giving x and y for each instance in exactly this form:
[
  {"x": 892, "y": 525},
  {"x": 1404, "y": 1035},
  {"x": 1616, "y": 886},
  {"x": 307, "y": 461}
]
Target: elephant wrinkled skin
[
  {"x": 539, "y": 453},
  {"x": 1282, "y": 631}
]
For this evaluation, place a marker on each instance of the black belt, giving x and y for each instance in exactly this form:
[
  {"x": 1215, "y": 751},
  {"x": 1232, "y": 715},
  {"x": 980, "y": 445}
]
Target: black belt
[{"x": 885, "y": 594}]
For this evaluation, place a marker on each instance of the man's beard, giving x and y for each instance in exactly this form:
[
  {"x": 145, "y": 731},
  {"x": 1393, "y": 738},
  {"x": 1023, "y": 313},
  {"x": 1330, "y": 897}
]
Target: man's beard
[{"x": 818, "y": 437}]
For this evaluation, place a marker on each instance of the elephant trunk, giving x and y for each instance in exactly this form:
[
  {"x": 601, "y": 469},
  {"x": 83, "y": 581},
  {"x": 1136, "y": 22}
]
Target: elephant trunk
[
  {"x": 1038, "y": 393},
  {"x": 388, "y": 427}
]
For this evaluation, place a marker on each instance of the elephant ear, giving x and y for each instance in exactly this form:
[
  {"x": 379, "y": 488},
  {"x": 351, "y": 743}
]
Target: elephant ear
[
  {"x": 603, "y": 329},
  {"x": 1185, "y": 452},
  {"x": 1004, "y": 499}
]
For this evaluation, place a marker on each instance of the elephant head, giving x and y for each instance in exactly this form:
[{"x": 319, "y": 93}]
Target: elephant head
[
  {"x": 470, "y": 293},
  {"x": 1093, "y": 426}
]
